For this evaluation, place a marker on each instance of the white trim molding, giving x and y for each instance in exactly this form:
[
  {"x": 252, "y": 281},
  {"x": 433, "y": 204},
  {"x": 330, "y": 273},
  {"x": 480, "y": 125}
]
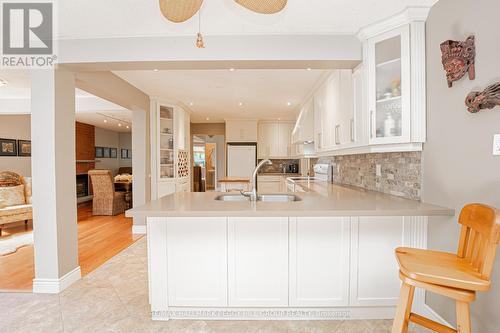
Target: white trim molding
[
  {"x": 410, "y": 14},
  {"x": 55, "y": 286},
  {"x": 139, "y": 229}
]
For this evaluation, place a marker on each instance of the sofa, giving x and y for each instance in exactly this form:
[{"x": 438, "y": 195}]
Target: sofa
[{"x": 15, "y": 199}]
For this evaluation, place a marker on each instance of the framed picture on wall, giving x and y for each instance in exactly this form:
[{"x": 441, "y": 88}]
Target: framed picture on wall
[
  {"x": 8, "y": 147},
  {"x": 106, "y": 152},
  {"x": 124, "y": 153},
  {"x": 23, "y": 148},
  {"x": 113, "y": 152},
  {"x": 99, "y": 152}
]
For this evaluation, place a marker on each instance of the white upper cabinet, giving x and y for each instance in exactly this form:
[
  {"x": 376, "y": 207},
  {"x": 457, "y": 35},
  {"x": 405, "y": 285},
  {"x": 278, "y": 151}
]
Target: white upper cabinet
[
  {"x": 274, "y": 139},
  {"x": 319, "y": 112},
  {"x": 389, "y": 86},
  {"x": 304, "y": 127},
  {"x": 241, "y": 130},
  {"x": 394, "y": 57},
  {"x": 345, "y": 113},
  {"x": 357, "y": 133},
  {"x": 333, "y": 111},
  {"x": 380, "y": 105},
  {"x": 284, "y": 139}
]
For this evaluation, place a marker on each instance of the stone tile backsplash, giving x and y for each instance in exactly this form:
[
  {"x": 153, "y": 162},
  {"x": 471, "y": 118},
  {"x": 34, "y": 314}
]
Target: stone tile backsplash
[
  {"x": 276, "y": 167},
  {"x": 400, "y": 173}
]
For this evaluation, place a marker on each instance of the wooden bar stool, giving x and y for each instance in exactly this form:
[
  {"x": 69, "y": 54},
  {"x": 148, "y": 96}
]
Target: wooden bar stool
[{"x": 454, "y": 276}]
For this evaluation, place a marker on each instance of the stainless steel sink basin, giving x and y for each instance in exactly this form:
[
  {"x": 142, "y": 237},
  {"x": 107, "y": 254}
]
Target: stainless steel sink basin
[
  {"x": 260, "y": 197},
  {"x": 278, "y": 197},
  {"x": 231, "y": 197}
]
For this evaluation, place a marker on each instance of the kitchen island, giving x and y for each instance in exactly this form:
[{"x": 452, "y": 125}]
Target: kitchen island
[{"x": 329, "y": 255}]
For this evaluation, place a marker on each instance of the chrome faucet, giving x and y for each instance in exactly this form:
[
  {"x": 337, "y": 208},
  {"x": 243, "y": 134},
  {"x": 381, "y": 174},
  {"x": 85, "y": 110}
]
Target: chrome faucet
[{"x": 253, "y": 193}]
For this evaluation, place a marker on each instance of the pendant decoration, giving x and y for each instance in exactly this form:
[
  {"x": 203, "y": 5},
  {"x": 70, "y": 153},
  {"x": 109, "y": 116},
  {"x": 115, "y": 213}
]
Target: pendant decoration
[
  {"x": 458, "y": 58},
  {"x": 486, "y": 99}
]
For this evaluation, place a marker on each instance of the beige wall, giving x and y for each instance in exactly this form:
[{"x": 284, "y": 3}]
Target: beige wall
[
  {"x": 458, "y": 165},
  {"x": 106, "y": 138},
  {"x": 125, "y": 142},
  {"x": 16, "y": 127}
]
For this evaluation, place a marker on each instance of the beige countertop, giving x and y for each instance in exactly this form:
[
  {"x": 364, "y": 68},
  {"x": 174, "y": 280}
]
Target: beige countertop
[{"x": 325, "y": 200}]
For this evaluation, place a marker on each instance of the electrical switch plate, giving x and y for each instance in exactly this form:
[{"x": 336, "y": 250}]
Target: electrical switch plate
[
  {"x": 378, "y": 171},
  {"x": 496, "y": 144}
]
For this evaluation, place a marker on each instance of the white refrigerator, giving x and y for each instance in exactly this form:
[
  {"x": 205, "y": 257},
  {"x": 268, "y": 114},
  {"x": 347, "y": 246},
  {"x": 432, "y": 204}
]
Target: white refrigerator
[{"x": 241, "y": 160}]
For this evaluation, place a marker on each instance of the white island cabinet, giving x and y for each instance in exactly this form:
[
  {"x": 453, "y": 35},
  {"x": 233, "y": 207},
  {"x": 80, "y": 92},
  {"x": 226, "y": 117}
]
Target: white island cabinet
[{"x": 323, "y": 257}]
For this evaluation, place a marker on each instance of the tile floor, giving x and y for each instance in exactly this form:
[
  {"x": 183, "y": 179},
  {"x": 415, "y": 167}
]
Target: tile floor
[{"x": 114, "y": 298}]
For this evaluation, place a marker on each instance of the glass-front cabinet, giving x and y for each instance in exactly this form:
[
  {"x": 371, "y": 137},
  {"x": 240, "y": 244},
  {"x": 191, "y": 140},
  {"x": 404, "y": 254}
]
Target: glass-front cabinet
[
  {"x": 389, "y": 87},
  {"x": 166, "y": 144}
]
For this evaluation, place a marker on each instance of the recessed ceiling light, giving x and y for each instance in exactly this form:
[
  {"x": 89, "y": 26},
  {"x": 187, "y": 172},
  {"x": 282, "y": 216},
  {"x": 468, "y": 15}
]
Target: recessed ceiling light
[
  {"x": 240, "y": 103},
  {"x": 279, "y": 118},
  {"x": 105, "y": 120},
  {"x": 232, "y": 69},
  {"x": 208, "y": 118},
  {"x": 128, "y": 126},
  {"x": 119, "y": 125},
  {"x": 288, "y": 103},
  {"x": 308, "y": 68},
  {"x": 191, "y": 103},
  {"x": 155, "y": 70}
]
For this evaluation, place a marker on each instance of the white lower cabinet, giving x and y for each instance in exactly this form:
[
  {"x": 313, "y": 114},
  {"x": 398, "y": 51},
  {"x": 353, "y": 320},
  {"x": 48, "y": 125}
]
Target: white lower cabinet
[
  {"x": 197, "y": 261},
  {"x": 374, "y": 270},
  {"x": 319, "y": 261},
  {"x": 166, "y": 188},
  {"x": 258, "y": 261},
  {"x": 279, "y": 261}
]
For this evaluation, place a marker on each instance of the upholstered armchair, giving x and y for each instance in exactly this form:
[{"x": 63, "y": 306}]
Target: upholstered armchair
[
  {"x": 15, "y": 199},
  {"x": 106, "y": 200}
]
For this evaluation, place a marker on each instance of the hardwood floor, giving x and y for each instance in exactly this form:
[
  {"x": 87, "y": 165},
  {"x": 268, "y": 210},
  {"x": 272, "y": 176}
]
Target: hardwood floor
[{"x": 99, "y": 239}]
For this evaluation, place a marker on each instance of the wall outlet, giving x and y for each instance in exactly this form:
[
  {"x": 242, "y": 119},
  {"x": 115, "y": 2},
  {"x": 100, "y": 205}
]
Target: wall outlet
[
  {"x": 378, "y": 170},
  {"x": 496, "y": 144}
]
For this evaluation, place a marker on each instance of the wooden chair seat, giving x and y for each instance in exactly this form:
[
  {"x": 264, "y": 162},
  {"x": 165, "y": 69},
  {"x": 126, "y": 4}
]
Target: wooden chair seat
[
  {"x": 457, "y": 276},
  {"x": 444, "y": 269}
]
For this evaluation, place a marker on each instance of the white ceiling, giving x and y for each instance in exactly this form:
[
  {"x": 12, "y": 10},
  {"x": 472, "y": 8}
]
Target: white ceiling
[
  {"x": 90, "y": 109},
  {"x": 216, "y": 94},
  {"x": 126, "y": 18}
]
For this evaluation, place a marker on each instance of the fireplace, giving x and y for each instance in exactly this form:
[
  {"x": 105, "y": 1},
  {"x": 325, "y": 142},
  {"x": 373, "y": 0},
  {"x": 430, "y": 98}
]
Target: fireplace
[{"x": 82, "y": 186}]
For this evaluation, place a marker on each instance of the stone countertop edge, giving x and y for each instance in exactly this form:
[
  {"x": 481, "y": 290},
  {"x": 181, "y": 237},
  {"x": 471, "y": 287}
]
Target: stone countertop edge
[{"x": 339, "y": 201}]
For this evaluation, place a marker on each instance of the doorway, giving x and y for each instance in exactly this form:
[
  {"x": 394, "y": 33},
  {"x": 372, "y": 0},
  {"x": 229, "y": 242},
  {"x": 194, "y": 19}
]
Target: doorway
[{"x": 208, "y": 162}]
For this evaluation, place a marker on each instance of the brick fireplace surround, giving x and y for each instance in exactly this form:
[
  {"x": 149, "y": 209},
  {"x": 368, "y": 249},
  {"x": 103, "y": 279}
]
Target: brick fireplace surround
[{"x": 85, "y": 151}]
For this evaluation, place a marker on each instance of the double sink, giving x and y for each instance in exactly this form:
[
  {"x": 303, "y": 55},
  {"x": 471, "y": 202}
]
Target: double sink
[{"x": 260, "y": 197}]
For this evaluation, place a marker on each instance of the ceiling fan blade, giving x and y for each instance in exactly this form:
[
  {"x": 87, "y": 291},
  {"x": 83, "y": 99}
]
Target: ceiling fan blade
[
  {"x": 263, "y": 6},
  {"x": 179, "y": 10}
]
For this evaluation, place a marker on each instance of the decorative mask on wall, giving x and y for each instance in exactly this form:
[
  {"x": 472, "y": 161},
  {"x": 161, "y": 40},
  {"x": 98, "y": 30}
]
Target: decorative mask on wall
[
  {"x": 458, "y": 58},
  {"x": 486, "y": 99}
]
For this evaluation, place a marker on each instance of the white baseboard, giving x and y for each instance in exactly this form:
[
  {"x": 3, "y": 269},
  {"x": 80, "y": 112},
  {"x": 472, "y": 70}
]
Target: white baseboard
[
  {"x": 433, "y": 315},
  {"x": 139, "y": 229},
  {"x": 55, "y": 286}
]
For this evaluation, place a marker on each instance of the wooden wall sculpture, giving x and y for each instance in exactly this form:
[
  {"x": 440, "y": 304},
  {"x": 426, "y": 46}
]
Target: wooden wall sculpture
[
  {"x": 458, "y": 58},
  {"x": 486, "y": 99}
]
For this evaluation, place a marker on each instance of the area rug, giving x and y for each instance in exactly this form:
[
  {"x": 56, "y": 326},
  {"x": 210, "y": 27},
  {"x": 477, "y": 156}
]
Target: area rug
[{"x": 10, "y": 244}]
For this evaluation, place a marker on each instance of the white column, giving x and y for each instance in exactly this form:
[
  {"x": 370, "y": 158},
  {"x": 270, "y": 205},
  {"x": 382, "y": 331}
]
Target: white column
[
  {"x": 54, "y": 174},
  {"x": 140, "y": 165}
]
